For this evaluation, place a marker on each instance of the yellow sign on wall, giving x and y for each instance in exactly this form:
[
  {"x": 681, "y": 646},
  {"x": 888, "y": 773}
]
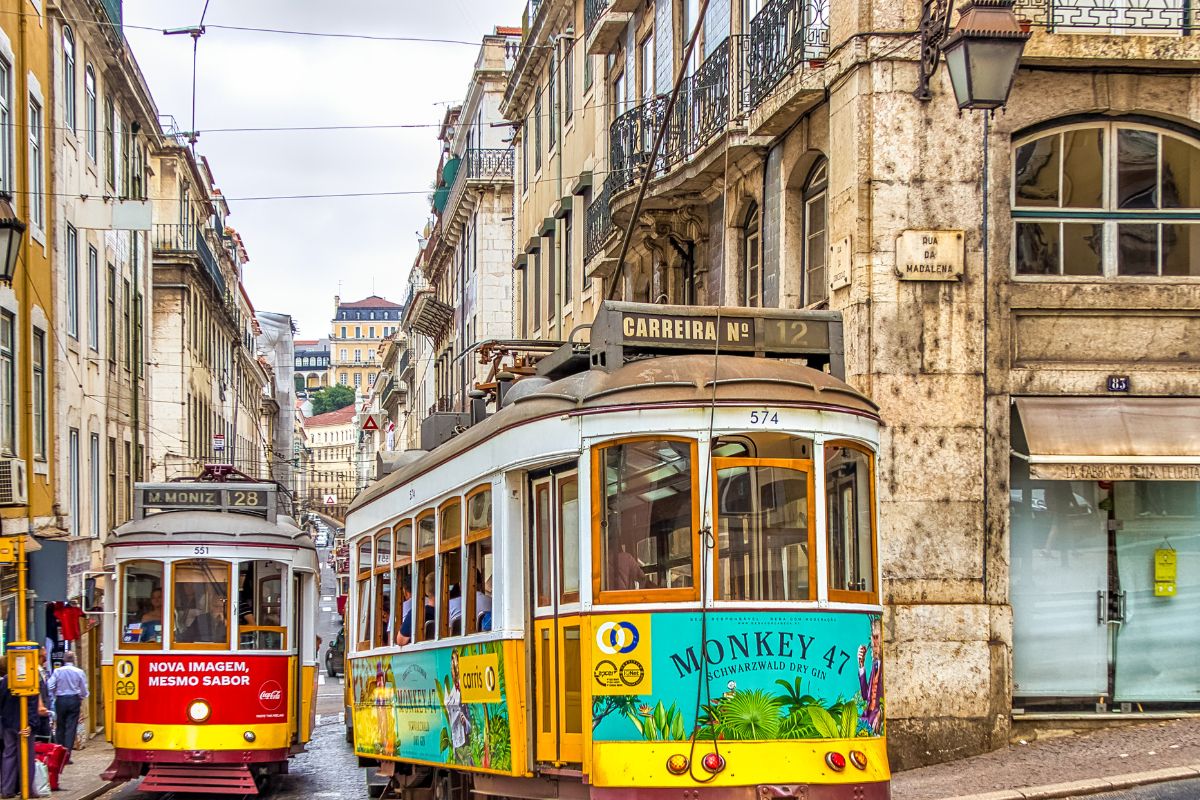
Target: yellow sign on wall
[
  {"x": 1164, "y": 572},
  {"x": 621, "y": 654},
  {"x": 479, "y": 678},
  {"x": 125, "y": 670},
  {"x": 8, "y": 550}
]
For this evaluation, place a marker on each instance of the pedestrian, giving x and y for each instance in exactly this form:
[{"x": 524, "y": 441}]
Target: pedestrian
[
  {"x": 43, "y": 725},
  {"x": 12, "y": 736},
  {"x": 70, "y": 687}
]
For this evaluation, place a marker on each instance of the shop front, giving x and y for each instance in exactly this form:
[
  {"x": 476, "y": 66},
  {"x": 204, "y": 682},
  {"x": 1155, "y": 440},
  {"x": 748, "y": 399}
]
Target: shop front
[{"x": 1105, "y": 553}]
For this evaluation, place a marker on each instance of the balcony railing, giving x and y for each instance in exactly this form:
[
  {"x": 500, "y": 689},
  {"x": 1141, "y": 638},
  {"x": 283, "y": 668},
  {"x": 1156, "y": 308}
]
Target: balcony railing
[
  {"x": 592, "y": 11},
  {"x": 598, "y": 222},
  {"x": 115, "y": 12},
  {"x": 784, "y": 35},
  {"x": 1101, "y": 16},
  {"x": 190, "y": 239},
  {"x": 481, "y": 165}
]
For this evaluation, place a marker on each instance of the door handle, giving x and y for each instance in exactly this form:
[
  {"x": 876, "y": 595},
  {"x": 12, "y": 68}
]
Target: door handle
[
  {"x": 1120, "y": 616},
  {"x": 1101, "y": 607}
]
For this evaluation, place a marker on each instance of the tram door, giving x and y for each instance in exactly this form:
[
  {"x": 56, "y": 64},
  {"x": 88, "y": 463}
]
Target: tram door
[{"x": 558, "y": 672}]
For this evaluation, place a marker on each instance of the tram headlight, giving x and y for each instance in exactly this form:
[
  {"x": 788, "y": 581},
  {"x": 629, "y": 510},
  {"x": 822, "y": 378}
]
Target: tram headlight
[
  {"x": 198, "y": 711},
  {"x": 249, "y": 736},
  {"x": 147, "y": 735},
  {"x": 858, "y": 758},
  {"x": 835, "y": 761}
]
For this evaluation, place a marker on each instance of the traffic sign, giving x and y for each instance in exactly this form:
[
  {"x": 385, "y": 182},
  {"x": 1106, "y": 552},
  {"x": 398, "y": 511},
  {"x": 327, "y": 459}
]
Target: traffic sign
[
  {"x": 370, "y": 424},
  {"x": 218, "y": 442},
  {"x": 331, "y": 499}
]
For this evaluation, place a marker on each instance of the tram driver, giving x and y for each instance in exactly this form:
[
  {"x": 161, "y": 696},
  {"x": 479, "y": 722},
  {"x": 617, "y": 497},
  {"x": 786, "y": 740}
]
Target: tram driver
[{"x": 152, "y": 619}]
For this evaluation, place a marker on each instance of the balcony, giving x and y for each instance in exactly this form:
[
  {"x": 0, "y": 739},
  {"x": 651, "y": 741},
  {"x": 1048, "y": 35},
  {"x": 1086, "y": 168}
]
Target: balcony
[
  {"x": 115, "y": 13},
  {"x": 425, "y": 314},
  {"x": 1111, "y": 16},
  {"x": 785, "y": 36},
  {"x": 188, "y": 240},
  {"x": 478, "y": 168},
  {"x": 603, "y": 22},
  {"x": 598, "y": 226}
]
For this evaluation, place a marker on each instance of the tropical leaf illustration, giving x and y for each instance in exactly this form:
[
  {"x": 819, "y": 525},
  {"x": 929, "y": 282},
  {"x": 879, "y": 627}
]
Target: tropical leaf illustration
[{"x": 749, "y": 715}]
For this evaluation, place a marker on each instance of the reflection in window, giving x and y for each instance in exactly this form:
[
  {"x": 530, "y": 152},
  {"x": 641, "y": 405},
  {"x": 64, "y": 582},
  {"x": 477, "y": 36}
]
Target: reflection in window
[
  {"x": 848, "y": 499},
  {"x": 382, "y": 582},
  {"x": 478, "y": 596},
  {"x": 200, "y": 602},
  {"x": 260, "y": 606},
  {"x": 762, "y": 531},
  {"x": 568, "y": 538},
  {"x": 402, "y": 582},
  {"x": 142, "y": 606},
  {"x": 646, "y": 516}
]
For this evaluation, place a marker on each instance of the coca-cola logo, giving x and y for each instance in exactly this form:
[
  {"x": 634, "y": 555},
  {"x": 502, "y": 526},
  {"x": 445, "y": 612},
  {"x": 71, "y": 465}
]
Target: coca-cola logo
[{"x": 270, "y": 695}]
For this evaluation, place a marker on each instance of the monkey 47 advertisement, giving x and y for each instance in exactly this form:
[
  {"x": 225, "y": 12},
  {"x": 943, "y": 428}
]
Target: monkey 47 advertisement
[{"x": 236, "y": 689}]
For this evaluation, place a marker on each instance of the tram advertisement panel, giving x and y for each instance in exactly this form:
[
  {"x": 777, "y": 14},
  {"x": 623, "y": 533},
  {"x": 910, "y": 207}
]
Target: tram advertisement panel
[
  {"x": 772, "y": 675},
  {"x": 157, "y": 689},
  {"x": 446, "y": 706}
]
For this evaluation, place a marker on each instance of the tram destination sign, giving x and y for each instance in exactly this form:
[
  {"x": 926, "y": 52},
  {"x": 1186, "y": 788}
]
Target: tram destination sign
[
  {"x": 626, "y": 329},
  {"x": 250, "y": 498}
]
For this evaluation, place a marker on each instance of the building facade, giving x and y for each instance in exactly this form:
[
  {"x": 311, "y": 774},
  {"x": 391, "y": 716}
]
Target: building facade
[
  {"x": 355, "y": 332},
  {"x": 1018, "y": 293},
  {"x": 333, "y": 463},
  {"x": 275, "y": 345},
  {"x": 311, "y": 365}
]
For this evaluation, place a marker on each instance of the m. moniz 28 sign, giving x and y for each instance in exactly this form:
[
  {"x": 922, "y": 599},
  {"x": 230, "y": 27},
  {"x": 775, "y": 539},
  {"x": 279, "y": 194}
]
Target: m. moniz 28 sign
[
  {"x": 766, "y": 332},
  {"x": 252, "y": 498}
]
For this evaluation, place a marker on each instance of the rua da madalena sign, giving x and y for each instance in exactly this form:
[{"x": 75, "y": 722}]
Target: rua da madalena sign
[{"x": 929, "y": 255}]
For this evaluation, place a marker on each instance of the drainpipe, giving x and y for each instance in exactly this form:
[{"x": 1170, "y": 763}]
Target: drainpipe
[{"x": 562, "y": 150}]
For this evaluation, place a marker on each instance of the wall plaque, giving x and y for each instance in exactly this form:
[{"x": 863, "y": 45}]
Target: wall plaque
[
  {"x": 839, "y": 264},
  {"x": 929, "y": 255}
]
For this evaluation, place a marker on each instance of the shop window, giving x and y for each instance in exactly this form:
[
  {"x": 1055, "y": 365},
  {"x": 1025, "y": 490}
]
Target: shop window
[
  {"x": 1111, "y": 199},
  {"x": 478, "y": 597},
  {"x": 363, "y": 566},
  {"x": 850, "y": 521},
  {"x": 450, "y": 537},
  {"x": 142, "y": 605},
  {"x": 402, "y": 576},
  {"x": 260, "y": 612},
  {"x": 200, "y": 592},
  {"x": 381, "y": 635},
  {"x": 646, "y": 514}
]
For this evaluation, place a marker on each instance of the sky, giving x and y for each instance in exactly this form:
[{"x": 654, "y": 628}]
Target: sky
[{"x": 302, "y": 250}]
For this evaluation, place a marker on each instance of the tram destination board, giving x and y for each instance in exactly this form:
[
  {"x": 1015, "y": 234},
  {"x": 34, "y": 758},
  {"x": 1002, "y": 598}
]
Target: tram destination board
[
  {"x": 623, "y": 329},
  {"x": 248, "y": 498}
]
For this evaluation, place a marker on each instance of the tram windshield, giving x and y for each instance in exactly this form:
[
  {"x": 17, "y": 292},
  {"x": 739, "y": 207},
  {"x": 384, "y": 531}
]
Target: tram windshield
[
  {"x": 142, "y": 605},
  {"x": 260, "y": 619},
  {"x": 200, "y": 595}
]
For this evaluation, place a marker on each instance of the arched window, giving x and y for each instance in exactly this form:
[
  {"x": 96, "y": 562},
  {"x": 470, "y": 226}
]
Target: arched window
[
  {"x": 68, "y": 45},
  {"x": 816, "y": 276},
  {"x": 89, "y": 86},
  {"x": 1107, "y": 199},
  {"x": 752, "y": 257}
]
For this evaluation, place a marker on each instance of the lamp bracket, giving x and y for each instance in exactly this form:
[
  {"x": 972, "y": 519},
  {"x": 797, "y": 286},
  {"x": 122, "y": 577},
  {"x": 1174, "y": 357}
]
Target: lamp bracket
[{"x": 933, "y": 30}]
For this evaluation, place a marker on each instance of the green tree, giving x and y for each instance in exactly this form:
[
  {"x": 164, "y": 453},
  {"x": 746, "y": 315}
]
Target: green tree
[{"x": 331, "y": 398}]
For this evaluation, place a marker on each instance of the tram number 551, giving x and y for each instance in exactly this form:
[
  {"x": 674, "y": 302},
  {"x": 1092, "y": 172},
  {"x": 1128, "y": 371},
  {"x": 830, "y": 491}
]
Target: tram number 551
[{"x": 764, "y": 417}]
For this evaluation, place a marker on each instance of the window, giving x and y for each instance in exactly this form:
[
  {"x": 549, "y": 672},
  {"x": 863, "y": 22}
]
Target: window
[
  {"x": 568, "y": 263},
  {"x": 127, "y": 309},
  {"x": 402, "y": 577},
  {"x": 39, "y": 394},
  {"x": 537, "y": 134},
  {"x": 343, "y": 379},
  {"x": 358, "y": 356},
  {"x": 371, "y": 332},
  {"x": 815, "y": 276},
  {"x": 646, "y": 65},
  {"x": 750, "y": 9},
  {"x": 551, "y": 279},
  {"x": 142, "y": 604},
  {"x": 752, "y": 258},
  {"x": 1110, "y": 199},
  {"x": 89, "y": 88},
  {"x": 260, "y": 609},
  {"x": 94, "y": 481},
  {"x": 421, "y": 620},
  {"x": 568, "y": 538},
  {"x": 68, "y": 45},
  {"x": 73, "y": 473},
  {"x": 370, "y": 379},
  {"x": 850, "y": 519},
  {"x": 478, "y": 597},
  {"x": 72, "y": 282},
  {"x": 525, "y": 157},
  {"x": 6, "y": 127},
  {"x": 552, "y": 95},
  {"x": 619, "y": 101},
  {"x": 110, "y": 143},
  {"x": 587, "y": 71},
  {"x": 647, "y": 513},
  {"x": 568, "y": 79},
  {"x": 343, "y": 354},
  {"x": 200, "y": 591},
  {"x": 357, "y": 332},
  {"x": 37, "y": 167},
  {"x": 93, "y": 299},
  {"x": 8, "y": 383},
  {"x": 450, "y": 535},
  {"x": 127, "y": 487},
  {"x": 112, "y": 483},
  {"x": 382, "y": 583},
  {"x": 357, "y": 379},
  {"x": 343, "y": 336},
  {"x": 112, "y": 316}
]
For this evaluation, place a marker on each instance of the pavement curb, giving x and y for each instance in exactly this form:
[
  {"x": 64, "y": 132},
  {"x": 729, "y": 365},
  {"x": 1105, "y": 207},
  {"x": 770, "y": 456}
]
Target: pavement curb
[
  {"x": 92, "y": 794},
  {"x": 1112, "y": 783}
]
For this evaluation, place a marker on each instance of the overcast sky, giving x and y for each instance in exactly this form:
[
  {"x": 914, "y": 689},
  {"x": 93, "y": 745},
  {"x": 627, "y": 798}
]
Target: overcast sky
[{"x": 300, "y": 249}]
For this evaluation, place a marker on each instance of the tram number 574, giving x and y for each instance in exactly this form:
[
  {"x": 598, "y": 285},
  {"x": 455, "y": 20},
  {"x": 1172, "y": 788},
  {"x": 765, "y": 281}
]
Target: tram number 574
[{"x": 764, "y": 417}]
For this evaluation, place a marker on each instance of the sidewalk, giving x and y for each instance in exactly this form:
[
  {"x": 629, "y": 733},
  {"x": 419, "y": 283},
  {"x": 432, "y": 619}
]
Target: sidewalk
[
  {"x": 1062, "y": 766},
  {"x": 80, "y": 780}
]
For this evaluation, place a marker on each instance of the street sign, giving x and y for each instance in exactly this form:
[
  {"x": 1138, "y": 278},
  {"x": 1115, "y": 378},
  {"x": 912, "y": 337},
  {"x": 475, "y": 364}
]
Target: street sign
[
  {"x": 218, "y": 442},
  {"x": 331, "y": 499},
  {"x": 370, "y": 424}
]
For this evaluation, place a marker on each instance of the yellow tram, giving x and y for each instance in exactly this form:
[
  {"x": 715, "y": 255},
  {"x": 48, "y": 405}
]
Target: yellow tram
[
  {"x": 655, "y": 573},
  {"x": 209, "y": 667}
]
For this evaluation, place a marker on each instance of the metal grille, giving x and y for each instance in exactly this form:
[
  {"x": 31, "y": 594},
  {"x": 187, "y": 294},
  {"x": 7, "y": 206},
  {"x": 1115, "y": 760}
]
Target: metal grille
[
  {"x": 784, "y": 36},
  {"x": 1132, "y": 16},
  {"x": 592, "y": 11},
  {"x": 598, "y": 222}
]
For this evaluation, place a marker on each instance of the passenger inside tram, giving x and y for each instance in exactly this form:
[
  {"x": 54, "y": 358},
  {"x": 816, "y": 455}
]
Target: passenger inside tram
[
  {"x": 201, "y": 594},
  {"x": 142, "y": 604},
  {"x": 152, "y": 619},
  {"x": 208, "y": 626},
  {"x": 406, "y": 625},
  {"x": 260, "y": 597}
]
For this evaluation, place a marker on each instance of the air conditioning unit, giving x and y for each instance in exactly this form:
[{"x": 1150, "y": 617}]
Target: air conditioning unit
[{"x": 14, "y": 488}]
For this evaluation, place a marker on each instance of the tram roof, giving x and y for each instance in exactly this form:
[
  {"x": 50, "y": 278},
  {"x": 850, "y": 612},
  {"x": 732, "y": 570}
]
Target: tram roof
[
  {"x": 215, "y": 526},
  {"x": 684, "y": 380}
]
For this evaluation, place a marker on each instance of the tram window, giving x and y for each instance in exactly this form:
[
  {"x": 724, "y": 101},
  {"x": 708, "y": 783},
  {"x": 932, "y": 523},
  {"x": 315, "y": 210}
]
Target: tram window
[
  {"x": 417, "y": 625},
  {"x": 383, "y": 588},
  {"x": 647, "y": 517},
  {"x": 761, "y": 444},
  {"x": 260, "y": 606},
  {"x": 200, "y": 592},
  {"x": 568, "y": 538},
  {"x": 764, "y": 541},
  {"x": 365, "y": 562},
  {"x": 450, "y": 533},
  {"x": 478, "y": 597},
  {"x": 541, "y": 510},
  {"x": 142, "y": 606},
  {"x": 848, "y": 495},
  {"x": 402, "y": 576}
]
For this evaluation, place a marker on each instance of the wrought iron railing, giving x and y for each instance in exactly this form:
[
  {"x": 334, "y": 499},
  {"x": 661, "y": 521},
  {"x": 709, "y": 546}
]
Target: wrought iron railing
[
  {"x": 785, "y": 35},
  {"x": 486, "y": 165},
  {"x": 592, "y": 11},
  {"x": 189, "y": 239},
  {"x": 1098, "y": 16},
  {"x": 598, "y": 227}
]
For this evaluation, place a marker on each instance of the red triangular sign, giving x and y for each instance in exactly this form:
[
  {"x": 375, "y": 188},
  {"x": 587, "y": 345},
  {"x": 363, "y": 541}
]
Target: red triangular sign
[{"x": 370, "y": 424}]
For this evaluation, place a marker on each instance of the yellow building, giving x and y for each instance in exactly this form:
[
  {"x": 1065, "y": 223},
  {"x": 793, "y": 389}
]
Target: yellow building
[
  {"x": 333, "y": 442},
  {"x": 355, "y": 334}
]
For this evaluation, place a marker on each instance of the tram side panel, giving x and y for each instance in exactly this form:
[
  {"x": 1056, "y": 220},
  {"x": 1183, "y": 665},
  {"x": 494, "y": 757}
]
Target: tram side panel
[{"x": 461, "y": 707}]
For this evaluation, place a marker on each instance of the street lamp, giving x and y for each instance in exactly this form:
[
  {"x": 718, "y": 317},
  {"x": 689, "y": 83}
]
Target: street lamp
[
  {"x": 982, "y": 53},
  {"x": 11, "y": 231}
]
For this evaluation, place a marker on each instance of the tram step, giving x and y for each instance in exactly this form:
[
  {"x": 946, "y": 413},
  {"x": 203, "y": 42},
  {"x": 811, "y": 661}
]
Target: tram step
[{"x": 209, "y": 780}]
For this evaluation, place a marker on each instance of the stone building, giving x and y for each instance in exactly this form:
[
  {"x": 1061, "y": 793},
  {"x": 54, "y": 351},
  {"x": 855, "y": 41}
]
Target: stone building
[
  {"x": 1018, "y": 293},
  {"x": 333, "y": 465},
  {"x": 355, "y": 332},
  {"x": 463, "y": 295},
  {"x": 311, "y": 365},
  {"x": 204, "y": 364}
]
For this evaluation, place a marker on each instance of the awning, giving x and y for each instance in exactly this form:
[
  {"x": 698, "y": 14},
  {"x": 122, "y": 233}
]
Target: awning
[{"x": 1112, "y": 438}]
